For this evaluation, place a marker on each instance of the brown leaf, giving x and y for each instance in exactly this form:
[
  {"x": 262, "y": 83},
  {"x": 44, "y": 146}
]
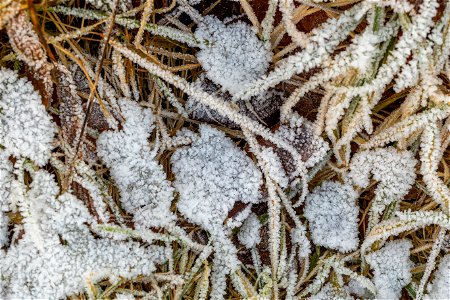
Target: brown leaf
[{"x": 25, "y": 42}]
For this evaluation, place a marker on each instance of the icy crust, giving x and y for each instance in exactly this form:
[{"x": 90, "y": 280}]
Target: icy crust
[
  {"x": 231, "y": 54},
  {"x": 211, "y": 175},
  {"x": 145, "y": 192},
  {"x": 26, "y": 129}
]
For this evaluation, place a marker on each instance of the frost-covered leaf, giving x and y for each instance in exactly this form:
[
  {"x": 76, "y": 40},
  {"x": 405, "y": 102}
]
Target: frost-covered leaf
[
  {"x": 232, "y": 55},
  {"x": 27, "y": 46},
  {"x": 392, "y": 268},
  {"x": 333, "y": 216},
  {"x": 144, "y": 190},
  {"x": 71, "y": 110},
  {"x": 211, "y": 175},
  {"x": 328, "y": 291},
  {"x": 299, "y": 133},
  {"x": 26, "y": 129}
]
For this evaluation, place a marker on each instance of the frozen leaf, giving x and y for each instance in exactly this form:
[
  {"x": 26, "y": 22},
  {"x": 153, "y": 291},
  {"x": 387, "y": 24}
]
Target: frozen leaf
[
  {"x": 26, "y": 129},
  {"x": 232, "y": 55},
  {"x": 211, "y": 175},
  {"x": 392, "y": 268},
  {"x": 144, "y": 190},
  {"x": 333, "y": 216}
]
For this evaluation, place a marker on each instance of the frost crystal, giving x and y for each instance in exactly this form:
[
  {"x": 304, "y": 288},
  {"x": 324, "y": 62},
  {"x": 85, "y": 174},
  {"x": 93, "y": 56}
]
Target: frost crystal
[
  {"x": 68, "y": 255},
  {"x": 249, "y": 233},
  {"x": 333, "y": 216},
  {"x": 440, "y": 288},
  {"x": 211, "y": 176},
  {"x": 232, "y": 55},
  {"x": 144, "y": 190},
  {"x": 392, "y": 268},
  {"x": 26, "y": 129}
]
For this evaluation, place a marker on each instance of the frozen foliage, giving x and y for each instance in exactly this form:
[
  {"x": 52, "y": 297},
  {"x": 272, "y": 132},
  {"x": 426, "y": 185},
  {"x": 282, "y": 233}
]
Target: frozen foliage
[
  {"x": 232, "y": 55},
  {"x": 440, "y": 287},
  {"x": 333, "y": 216},
  {"x": 26, "y": 129},
  {"x": 298, "y": 133},
  {"x": 211, "y": 175},
  {"x": 68, "y": 255},
  {"x": 249, "y": 235},
  {"x": 144, "y": 190},
  {"x": 392, "y": 268}
]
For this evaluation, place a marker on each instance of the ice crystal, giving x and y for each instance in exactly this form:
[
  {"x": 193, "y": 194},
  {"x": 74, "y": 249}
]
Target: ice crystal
[
  {"x": 144, "y": 190},
  {"x": 232, "y": 55},
  {"x": 333, "y": 216},
  {"x": 392, "y": 268},
  {"x": 26, "y": 129}
]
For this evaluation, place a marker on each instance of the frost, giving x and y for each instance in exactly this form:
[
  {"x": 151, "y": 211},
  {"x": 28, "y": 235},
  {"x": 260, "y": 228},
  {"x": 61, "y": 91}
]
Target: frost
[
  {"x": 144, "y": 190},
  {"x": 68, "y": 254},
  {"x": 108, "y": 5},
  {"x": 440, "y": 288},
  {"x": 26, "y": 129},
  {"x": 232, "y": 55},
  {"x": 249, "y": 235},
  {"x": 275, "y": 167},
  {"x": 298, "y": 133},
  {"x": 333, "y": 216},
  {"x": 124, "y": 296},
  {"x": 211, "y": 176},
  {"x": 392, "y": 268}
]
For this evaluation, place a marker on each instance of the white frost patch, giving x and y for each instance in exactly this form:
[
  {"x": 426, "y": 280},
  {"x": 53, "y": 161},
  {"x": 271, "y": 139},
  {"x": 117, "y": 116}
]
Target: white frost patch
[
  {"x": 211, "y": 175},
  {"x": 68, "y": 255},
  {"x": 144, "y": 190},
  {"x": 392, "y": 268},
  {"x": 232, "y": 55},
  {"x": 249, "y": 233},
  {"x": 26, "y": 129},
  {"x": 333, "y": 216}
]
